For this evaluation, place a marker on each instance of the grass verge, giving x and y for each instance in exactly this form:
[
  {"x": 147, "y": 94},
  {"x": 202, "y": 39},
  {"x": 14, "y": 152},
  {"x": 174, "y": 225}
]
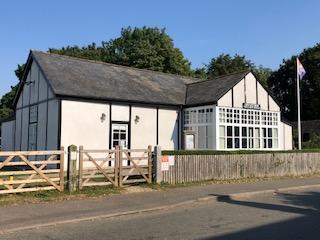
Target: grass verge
[{"x": 47, "y": 196}]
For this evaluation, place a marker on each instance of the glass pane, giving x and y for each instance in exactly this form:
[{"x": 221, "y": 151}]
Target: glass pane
[
  {"x": 221, "y": 131},
  {"x": 236, "y": 131},
  {"x": 269, "y": 143},
  {"x": 115, "y": 135},
  {"x": 244, "y": 131},
  {"x": 257, "y": 132},
  {"x": 256, "y": 143},
  {"x": 269, "y": 132},
  {"x": 244, "y": 143},
  {"x": 229, "y": 142},
  {"x": 275, "y": 143},
  {"x": 115, "y": 143},
  {"x": 237, "y": 143},
  {"x": 275, "y": 132},
  {"x": 229, "y": 131},
  {"x": 264, "y": 132},
  {"x": 222, "y": 143},
  {"x": 123, "y": 136}
]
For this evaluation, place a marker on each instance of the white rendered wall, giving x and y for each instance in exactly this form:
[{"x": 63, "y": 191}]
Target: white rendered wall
[
  {"x": 7, "y": 136},
  {"x": 226, "y": 100},
  {"x": 120, "y": 113},
  {"x": 81, "y": 124},
  {"x": 262, "y": 97},
  {"x": 143, "y": 131},
  {"x": 238, "y": 94},
  {"x": 250, "y": 88},
  {"x": 168, "y": 129}
]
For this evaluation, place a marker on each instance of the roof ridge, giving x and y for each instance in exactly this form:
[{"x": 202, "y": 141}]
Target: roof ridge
[
  {"x": 225, "y": 75},
  {"x": 116, "y": 65}
]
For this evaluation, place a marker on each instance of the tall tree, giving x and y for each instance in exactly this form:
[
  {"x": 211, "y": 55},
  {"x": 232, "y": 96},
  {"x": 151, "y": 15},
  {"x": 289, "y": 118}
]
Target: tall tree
[
  {"x": 283, "y": 84},
  {"x": 147, "y": 48},
  {"x": 226, "y": 64},
  {"x": 6, "y": 101}
]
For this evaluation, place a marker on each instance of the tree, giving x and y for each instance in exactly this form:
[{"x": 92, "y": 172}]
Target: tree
[
  {"x": 147, "y": 48},
  {"x": 226, "y": 64},
  {"x": 283, "y": 84},
  {"x": 6, "y": 102}
]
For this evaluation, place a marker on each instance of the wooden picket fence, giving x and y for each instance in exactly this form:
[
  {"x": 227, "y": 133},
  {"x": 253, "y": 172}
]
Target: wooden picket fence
[
  {"x": 114, "y": 167},
  {"x": 28, "y": 171},
  {"x": 192, "y": 168}
]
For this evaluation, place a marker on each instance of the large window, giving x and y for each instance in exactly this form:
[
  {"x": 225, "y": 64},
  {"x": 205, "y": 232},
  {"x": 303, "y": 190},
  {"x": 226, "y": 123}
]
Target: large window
[
  {"x": 248, "y": 129},
  {"x": 200, "y": 120}
]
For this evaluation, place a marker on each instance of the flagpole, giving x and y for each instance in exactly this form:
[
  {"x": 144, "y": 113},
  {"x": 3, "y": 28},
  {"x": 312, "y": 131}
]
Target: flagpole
[{"x": 298, "y": 98}]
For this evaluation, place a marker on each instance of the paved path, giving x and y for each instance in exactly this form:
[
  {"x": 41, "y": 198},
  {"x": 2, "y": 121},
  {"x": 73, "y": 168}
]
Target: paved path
[
  {"x": 285, "y": 216},
  {"x": 13, "y": 217}
]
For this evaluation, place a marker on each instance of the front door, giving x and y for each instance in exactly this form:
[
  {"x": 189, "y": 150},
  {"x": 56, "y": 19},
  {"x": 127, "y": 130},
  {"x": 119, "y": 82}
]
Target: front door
[{"x": 119, "y": 135}]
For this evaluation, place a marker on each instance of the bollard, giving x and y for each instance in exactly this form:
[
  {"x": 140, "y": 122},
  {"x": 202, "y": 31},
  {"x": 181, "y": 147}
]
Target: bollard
[{"x": 72, "y": 168}]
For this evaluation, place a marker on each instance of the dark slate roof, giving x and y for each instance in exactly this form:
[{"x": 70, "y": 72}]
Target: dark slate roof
[
  {"x": 80, "y": 78},
  {"x": 75, "y": 77},
  {"x": 210, "y": 91}
]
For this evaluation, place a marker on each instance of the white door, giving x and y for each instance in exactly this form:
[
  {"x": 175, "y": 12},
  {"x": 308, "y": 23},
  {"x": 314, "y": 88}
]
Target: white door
[{"x": 119, "y": 135}]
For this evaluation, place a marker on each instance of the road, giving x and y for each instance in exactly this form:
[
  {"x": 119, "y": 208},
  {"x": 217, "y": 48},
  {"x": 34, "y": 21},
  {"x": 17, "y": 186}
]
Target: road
[{"x": 290, "y": 215}]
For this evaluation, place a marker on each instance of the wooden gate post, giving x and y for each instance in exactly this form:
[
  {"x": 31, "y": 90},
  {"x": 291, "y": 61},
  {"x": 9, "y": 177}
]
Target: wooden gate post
[
  {"x": 150, "y": 164},
  {"x": 157, "y": 164},
  {"x": 80, "y": 168},
  {"x": 61, "y": 175},
  {"x": 119, "y": 166},
  {"x": 116, "y": 167},
  {"x": 72, "y": 168}
]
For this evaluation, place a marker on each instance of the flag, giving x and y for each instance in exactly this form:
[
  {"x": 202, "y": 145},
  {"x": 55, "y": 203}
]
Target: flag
[{"x": 300, "y": 69}]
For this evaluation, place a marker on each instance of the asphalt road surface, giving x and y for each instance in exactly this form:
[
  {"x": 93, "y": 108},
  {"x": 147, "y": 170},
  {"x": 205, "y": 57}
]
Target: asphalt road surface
[{"x": 294, "y": 215}]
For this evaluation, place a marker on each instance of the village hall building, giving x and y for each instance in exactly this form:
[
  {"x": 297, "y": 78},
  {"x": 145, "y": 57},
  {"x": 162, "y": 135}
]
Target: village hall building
[{"x": 64, "y": 101}]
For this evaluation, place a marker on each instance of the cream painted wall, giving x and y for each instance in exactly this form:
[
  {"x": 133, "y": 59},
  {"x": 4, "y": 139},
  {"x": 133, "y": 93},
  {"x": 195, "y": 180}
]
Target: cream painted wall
[
  {"x": 7, "y": 137},
  {"x": 226, "y": 100},
  {"x": 287, "y": 137},
  {"x": 250, "y": 82},
  {"x": 81, "y": 124},
  {"x": 143, "y": 132},
  {"x": 262, "y": 97},
  {"x": 238, "y": 94},
  {"x": 273, "y": 106},
  {"x": 168, "y": 129},
  {"x": 120, "y": 113}
]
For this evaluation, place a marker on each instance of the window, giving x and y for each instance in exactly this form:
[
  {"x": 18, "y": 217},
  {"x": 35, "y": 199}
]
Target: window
[
  {"x": 222, "y": 115},
  {"x": 222, "y": 137},
  {"x": 186, "y": 117},
  {"x": 257, "y": 117},
  {"x": 229, "y": 137},
  {"x": 236, "y": 116},
  {"x": 275, "y": 138},
  {"x": 257, "y": 138},
  {"x": 264, "y": 118},
  {"x": 236, "y": 137},
  {"x": 264, "y": 137},
  {"x": 244, "y": 140},
  {"x": 229, "y": 115},
  {"x": 33, "y": 128},
  {"x": 250, "y": 117},
  {"x": 244, "y": 116},
  {"x": 250, "y": 139}
]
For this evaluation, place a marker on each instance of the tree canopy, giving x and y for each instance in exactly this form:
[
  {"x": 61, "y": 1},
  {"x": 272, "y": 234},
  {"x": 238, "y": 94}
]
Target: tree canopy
[
  {"x": 147, "y": 48},
  {"x": 283, "y": 84},
  {"x": 226, "y": 64}
]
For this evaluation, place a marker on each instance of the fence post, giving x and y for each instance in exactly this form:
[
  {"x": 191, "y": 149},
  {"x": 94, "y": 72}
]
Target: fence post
[
  {"x": 157, "y": 164},
  {"x": 150, "y": 164},
  {"x": 119, "y": 155},
  {"x": 80, "y": 168},
  {"x": 62, "y": 169},
  {"x": 116, "y": 166},
  {"x": 72, "y": 168}
]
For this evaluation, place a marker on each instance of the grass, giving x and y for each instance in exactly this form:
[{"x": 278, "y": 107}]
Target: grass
[
  {"x": 48, "y": 196},
  {"x": 94, "y": 192}
]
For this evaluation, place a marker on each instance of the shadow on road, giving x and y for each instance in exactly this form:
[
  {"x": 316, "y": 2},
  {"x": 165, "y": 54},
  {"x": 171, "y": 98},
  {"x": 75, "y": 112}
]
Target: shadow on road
[{"x": 306, "y": 226}]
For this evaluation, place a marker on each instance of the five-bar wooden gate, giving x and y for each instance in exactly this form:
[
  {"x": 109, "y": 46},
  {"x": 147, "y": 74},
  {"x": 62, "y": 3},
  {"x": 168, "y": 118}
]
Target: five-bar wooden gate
[
  {"x": 28, "y": 171},
  {"x": 114, "y": 167}
]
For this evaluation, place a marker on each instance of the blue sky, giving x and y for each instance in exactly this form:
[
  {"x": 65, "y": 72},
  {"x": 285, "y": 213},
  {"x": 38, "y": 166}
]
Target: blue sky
[{"x": 265, "y": 31}]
